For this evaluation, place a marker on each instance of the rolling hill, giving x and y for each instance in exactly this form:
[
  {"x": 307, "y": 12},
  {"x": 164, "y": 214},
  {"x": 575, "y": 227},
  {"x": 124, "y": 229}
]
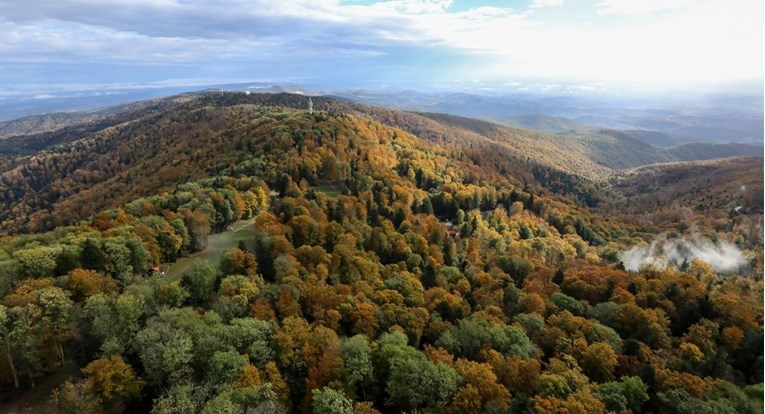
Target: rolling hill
[
  {"x": 713, "y": 118},
  {"x": 80, "y": 169},
  {"x": 44, "y": 123},
  {"x": 546, "y": 123},
  {"x": 593, "y": 154},
  {"x": 92, "y": 166},
  {"x": 373, "y": 260},
  {"x": 619, "y": 150},
  {"x": 730, "y": 185}
]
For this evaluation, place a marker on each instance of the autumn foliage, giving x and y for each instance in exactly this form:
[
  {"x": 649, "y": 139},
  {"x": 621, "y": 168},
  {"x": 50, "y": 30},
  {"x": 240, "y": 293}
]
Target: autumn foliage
[{"x": 383, "y": 273}]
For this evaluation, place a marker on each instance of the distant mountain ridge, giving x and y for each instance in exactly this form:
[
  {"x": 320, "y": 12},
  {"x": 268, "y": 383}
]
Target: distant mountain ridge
[
  {"x": 716, "y": 119},
  {"x": 546, "y": 123},
  {"x": 596, "y": 152}
]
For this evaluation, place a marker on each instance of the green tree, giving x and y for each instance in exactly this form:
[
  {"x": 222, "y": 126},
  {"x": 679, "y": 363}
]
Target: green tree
[
  {"x": 605, "y": 312},
  {"x": 92, "y": 255},
  {"x": 329, "y": 401},
  {"x": 170, "y": 294},
  {"x": 68, "y": 259},
  {"x": 565, "y": 302},
  {"x": 9, "y": 273},
  {"x": 57, "y": 311},
  {"x": 118, "y": 258},
  {"x": 139, "y": 256},
  {"x": 200, "y": 281},
  {"x": 235, "y": 295},
  {"x": 221, "y": 404},
  {"x": 37, "y": 262},
  {"x": 225, "y": 367},
  {"x": 165, "y": 350},
  {"x": 250, "y": 336},
  {"x": 6, "y": 329},
  {"x": 415, "y": 382},
  {"x": 28, "y": 335},
  {"x": 629, "y": 393},
  {"x": 115, "y": 320},
  {"x": 680, "y": 401},
  {"x": 357, "y": 359},
  {"x": 472, "y": 335},
  {"x": 635, "y": 391},
  {"x": 518, "y": 268},
  {"x": 178, "y": 399}
]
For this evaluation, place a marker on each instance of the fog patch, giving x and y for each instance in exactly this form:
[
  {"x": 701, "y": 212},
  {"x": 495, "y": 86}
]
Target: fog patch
[{"x": 725, "y": 257}]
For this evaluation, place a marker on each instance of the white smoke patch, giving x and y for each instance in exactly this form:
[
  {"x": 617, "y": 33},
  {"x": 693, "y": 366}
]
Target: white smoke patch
[{"x": 725, "y": 257}]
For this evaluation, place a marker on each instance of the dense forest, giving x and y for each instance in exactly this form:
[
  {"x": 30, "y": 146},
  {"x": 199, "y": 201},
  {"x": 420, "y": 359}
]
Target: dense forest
[
  {"x": 394, "y": 264},
  {"x": 55, "y": 178},
  {"x": 156, "y": 149}
]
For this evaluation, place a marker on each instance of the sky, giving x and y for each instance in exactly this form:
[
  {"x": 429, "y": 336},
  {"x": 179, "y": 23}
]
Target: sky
[{"x": 53, "y": 45}]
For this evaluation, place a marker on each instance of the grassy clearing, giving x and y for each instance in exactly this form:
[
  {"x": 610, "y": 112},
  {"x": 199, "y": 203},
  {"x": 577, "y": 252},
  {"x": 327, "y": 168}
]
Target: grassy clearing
[
  {"x": 216, "y": 243},
  {"x": 330, "y": 190}
]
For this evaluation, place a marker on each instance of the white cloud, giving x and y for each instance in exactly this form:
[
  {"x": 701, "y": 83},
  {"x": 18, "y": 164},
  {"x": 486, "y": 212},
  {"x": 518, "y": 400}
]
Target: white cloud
[
  {"x": 417, "y": 6},
  {"x": 710, "y": 41},
  {"x": 635, "y": 7},
  {"x": 725, "y": 257},
  {"x": 536, "y": 4},
  {"x": 56, "y": 42}
]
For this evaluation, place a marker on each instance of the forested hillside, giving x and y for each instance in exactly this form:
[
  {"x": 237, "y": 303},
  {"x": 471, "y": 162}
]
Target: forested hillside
[
  {"x": 59, "y": 177},
  {"x": 43, "y": 123},
  {"x": 143, "y": 152},
  {"x": 26, "y": 136},
  {"x": 727, "y": 185},
  {"x": 551, "y": 124},
  {"x": 619, "y": 150},
  {"x": 388, "y": 270},
  {"x": 725, "y": 195}
]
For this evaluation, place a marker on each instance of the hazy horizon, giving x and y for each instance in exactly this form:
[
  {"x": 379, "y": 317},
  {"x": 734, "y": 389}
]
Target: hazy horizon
[{"x": 609, "y": 46}]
